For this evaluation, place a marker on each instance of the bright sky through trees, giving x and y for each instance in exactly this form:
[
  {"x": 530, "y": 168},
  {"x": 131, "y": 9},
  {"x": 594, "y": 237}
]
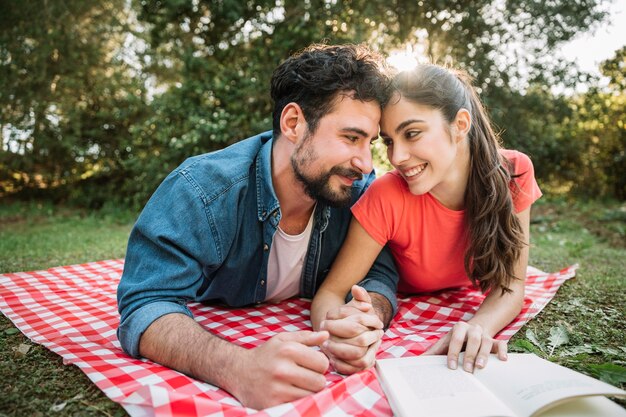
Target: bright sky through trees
[{"x": 590, "y": 49}]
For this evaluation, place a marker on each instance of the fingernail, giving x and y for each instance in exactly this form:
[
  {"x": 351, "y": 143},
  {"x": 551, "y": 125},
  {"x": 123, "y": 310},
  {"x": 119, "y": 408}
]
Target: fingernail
[
  {"x": 322, "y": 325},
  {"x": 468, "y": 367},
  {"x": 325, "y": 344},
  {"x": 452, "y": 364},
  {"x": 480, "y": 363}
]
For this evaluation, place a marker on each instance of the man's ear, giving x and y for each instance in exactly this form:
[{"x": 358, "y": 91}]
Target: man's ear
[
  {"x": 292, "y": 123},
  {"x": 462, "y": 123}
]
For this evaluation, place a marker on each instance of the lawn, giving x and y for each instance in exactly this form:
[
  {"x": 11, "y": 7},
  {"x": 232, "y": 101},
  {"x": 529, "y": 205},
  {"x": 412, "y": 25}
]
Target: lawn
[{"x": 582, "y": 328}]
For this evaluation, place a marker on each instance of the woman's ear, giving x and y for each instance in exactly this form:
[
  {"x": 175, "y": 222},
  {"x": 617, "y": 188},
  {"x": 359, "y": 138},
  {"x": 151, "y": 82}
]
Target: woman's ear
[
  {"x": 292, "y": 122},
  {"x": 462, "y": 123}
]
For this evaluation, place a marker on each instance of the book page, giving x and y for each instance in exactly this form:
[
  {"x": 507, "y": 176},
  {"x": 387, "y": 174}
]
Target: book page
[
  {"x": 529, "y": 384},
  {"x": 424, "y": 386},
  {"x": 586, "y": 407}
]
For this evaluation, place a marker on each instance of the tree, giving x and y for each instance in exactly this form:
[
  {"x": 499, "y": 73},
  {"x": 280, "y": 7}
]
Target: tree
[
  {"x": 601, "y": 124},
  {"x": 67, "y": 95},
  {"x": 75, "y": 107}
]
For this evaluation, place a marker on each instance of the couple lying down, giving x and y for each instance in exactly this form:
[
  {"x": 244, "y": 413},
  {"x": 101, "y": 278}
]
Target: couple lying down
[{"x": 298, "y": 212}]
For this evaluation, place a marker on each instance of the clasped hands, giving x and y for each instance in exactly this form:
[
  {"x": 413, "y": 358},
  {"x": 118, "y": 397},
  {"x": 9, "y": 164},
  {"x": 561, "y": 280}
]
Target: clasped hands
[
  {"x": 356, "y": 331},
  {"x": 355, "y": 334},
  {"x": 349, "y": 338}
]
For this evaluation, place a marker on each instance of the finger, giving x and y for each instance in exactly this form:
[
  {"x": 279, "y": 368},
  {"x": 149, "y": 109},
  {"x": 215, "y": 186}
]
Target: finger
[
  {"x": 457, "y": 338},
  {"x": 353, "y": 315},
  {"x": 365, "y": 339},
  {"x": 360, "y": 294},
  {"x": 343, "y": 351},
  {"x": 361, "y": 306},
  {"x": 483, "y": 354},
  {"x": 351, "y": 366},
  {"x": 305, "y": 337},
  {"x": 275, "y": 393},
  {"x": 310, "y": 359},
  {"x": 500, "y": 347},
  {"x": 350, "y": 311},
  {"x": 299, "y": 376},
  {"x": 351, "y": 349},
  {"x": 474, "y": 339},
  {"x": 353, "y": 322},
  {"x": 292, "y": 393},
  {"x": 344, "y": 328}
]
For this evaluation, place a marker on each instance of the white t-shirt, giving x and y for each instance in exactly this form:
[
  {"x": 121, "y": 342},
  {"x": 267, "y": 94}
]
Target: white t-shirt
[{"x": 285, "y": 263}]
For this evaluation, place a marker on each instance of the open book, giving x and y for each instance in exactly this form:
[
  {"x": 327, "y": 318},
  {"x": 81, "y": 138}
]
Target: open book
[{"x": 523, "y": 386}]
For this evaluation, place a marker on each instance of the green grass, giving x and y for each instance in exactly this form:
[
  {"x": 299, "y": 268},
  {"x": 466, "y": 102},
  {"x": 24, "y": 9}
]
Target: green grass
[
  {"x": 590, "y": 309},
  {"x": 40, "y": 235},
  {"x": 37, "y": 236}
]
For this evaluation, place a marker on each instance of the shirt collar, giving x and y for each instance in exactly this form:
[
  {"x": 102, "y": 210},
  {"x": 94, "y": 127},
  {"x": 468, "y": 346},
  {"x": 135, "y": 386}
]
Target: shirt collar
[{"x": 267, "y": 202}]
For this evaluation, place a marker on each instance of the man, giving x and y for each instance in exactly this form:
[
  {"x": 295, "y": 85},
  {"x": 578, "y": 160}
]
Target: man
[{"x": 262, "y": 220}]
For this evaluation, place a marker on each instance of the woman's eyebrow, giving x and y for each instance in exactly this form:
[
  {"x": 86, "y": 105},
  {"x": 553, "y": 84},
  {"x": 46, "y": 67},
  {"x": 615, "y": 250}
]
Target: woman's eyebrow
[{"x": 408, "y": 122}]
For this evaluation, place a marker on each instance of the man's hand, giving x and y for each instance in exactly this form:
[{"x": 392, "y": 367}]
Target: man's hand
[
  {"x": 478, "y": 345},
  {"x": 355, "y": 334},
  {"x": 283, "y": 369}
]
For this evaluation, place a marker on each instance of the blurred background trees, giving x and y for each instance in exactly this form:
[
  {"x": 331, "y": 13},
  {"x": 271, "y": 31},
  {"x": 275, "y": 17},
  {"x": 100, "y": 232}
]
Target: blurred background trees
[{"x": 99, "y": 100}]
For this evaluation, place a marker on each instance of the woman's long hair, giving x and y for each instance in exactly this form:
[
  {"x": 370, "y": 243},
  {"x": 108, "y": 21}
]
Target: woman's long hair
[{"x": 494, "y": 234}]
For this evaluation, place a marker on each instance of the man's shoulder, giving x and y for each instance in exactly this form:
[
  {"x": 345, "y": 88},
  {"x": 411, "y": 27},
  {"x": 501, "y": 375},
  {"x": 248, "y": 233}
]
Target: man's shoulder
[
  {"x": 217, "y": 171},
  {"x": 230, "y": 158}
]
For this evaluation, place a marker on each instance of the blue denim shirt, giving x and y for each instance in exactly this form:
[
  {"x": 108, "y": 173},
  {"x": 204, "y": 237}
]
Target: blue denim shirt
[{"x": 205, "y": 236}]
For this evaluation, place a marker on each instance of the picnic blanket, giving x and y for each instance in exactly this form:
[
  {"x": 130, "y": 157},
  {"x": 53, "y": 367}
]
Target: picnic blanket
[{"x": 72, "y": 311}]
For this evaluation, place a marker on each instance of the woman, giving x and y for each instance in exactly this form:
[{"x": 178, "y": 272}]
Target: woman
[{"x": 455, "y": 211}]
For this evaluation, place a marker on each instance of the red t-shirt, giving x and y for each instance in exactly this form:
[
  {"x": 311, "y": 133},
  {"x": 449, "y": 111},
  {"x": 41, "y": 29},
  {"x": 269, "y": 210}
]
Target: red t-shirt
[{"x": 426, "y": 238}]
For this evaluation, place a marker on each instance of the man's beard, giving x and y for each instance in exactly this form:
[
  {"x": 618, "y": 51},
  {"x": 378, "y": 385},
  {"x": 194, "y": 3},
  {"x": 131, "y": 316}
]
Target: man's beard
[{"x": 319, "y": 188}]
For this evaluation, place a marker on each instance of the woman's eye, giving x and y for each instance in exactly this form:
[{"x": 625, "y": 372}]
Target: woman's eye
[
  {"x": 412, "y": 134},
  {"x": 387, "y": 142}
]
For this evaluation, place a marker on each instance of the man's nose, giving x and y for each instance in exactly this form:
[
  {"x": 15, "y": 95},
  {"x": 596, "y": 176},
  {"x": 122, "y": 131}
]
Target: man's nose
[
  {"x": 363, "y": 160},
  {"x": 398, "y": 154}
]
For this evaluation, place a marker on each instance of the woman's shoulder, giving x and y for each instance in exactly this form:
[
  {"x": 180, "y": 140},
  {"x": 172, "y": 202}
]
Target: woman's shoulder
[
  {"x": 519, "y": 160},
  {"x": 387, "y": 190},
  {"x": 389, "y": 182}
]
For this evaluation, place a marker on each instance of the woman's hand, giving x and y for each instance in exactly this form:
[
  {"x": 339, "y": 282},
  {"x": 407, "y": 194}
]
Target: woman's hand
[
  {"x": 355, "y": 334},
  {"x": 478, "y": 344}
]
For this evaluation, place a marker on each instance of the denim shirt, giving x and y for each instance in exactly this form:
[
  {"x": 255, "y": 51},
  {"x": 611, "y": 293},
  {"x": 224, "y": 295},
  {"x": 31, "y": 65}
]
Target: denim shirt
[{"x": 205, "y": 236}]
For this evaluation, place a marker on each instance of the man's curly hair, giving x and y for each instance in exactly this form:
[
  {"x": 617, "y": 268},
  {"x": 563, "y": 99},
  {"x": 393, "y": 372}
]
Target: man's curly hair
[{"x": 316, "y": 76}]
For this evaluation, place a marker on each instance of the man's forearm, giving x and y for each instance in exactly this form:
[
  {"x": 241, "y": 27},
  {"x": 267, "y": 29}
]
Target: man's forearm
[
  {"x": 178, "y": 342},
  {"x": 382, "y": 307}
]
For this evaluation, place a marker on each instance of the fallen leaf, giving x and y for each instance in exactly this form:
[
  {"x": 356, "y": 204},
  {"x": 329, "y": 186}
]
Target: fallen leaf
[
  {"x": 577, "y": 350},
  {"x": 58, "y": 407},
  {"x": 11, "y": 331},
  {"x": 77, "y": 397},
  {"x": 23, "y": 348},
  {"x": 530, "y": 335},
  {"x": 558, "y": 337}
]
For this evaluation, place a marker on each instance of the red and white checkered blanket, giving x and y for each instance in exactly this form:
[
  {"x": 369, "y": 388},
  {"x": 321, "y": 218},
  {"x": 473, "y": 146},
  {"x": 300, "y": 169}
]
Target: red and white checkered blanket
[{"x": 72, "y": 311}]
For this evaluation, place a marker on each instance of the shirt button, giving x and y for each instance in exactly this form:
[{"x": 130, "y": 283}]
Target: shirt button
[
  {"x": 265, "y": 247},
  {"x": 262, "y": 282},
  {"x": 264, "y": 213}
]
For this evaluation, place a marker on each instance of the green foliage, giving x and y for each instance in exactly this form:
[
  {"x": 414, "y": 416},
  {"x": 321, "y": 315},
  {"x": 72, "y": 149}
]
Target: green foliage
[
  {"x": 67, "y": 94},
  {"x": 601, "y": 131},
  {"x": 100, "y": 100}
]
